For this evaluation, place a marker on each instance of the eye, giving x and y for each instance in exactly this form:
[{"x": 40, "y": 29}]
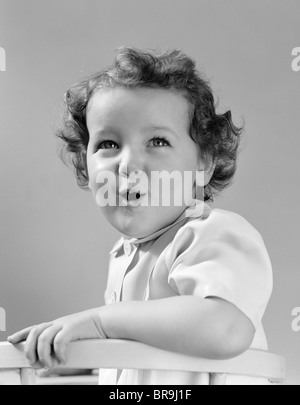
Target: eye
[
  {"x": 106, "y": 145},
  {"x": 157, "y": 142},
  {"x": 160, "y": 141}
]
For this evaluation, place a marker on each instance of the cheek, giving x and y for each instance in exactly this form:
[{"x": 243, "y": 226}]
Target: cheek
[
  {"x": 188, "y": 164},
  {"x": 95, "y": 166},
  {"x": 102, "y": 183},
  {"x": 92, "y": 176}
]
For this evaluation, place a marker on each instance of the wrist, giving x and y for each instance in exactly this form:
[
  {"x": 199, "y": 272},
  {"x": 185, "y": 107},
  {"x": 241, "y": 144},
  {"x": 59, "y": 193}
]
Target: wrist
[
  {"x": 95, "y": 317},
  {"x": 113, "y": 320},
  {"x": 105, "y": 321}
]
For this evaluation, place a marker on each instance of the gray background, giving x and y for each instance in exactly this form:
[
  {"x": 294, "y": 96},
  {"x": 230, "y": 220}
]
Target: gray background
[{"x": 54, "y": 241}]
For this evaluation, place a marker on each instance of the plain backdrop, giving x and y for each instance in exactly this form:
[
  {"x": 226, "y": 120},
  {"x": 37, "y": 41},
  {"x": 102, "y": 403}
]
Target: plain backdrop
[{"x": 54, "y": 242}]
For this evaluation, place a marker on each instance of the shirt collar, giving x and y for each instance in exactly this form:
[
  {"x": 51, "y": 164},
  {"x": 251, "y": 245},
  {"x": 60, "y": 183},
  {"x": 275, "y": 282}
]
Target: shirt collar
[{"x": 198, "y": 209}]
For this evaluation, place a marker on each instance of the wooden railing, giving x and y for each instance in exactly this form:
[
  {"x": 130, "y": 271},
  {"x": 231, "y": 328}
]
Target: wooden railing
[{"x": 122, "y": 354}]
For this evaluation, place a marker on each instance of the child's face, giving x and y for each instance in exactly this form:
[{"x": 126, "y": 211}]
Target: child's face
[{"x": 129, "y": 121}]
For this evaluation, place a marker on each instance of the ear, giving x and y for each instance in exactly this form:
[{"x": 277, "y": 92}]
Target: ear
[{"x": 206, "y": 168}]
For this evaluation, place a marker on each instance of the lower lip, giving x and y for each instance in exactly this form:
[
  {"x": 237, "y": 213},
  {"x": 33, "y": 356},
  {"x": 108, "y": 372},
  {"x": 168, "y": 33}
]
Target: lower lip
[{"x": 136, "y": 203}]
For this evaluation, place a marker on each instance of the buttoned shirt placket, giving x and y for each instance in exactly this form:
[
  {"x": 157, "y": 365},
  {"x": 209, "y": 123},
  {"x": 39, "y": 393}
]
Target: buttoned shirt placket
[{"x": 130, "y": 250}]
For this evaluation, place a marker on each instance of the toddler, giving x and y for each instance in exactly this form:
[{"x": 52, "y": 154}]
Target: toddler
[{"x": 183, "y": 277}]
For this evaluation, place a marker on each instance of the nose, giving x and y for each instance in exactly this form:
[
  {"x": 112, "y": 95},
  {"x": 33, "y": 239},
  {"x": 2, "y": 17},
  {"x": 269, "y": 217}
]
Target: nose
[{"x": 131, "y": 161}]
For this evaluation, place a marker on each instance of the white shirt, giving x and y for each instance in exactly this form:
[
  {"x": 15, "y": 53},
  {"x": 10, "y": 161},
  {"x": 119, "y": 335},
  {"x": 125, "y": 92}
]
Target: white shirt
[{"x": 205, "y": 252}]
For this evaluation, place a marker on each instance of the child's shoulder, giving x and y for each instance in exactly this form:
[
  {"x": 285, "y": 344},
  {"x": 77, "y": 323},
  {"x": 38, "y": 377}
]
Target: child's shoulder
[{"x": 218, "y": 224}]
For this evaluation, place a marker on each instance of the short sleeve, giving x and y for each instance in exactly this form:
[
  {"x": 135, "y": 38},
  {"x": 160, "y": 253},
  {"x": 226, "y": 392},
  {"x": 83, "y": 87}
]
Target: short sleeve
[{"x": 222, "y": 256}]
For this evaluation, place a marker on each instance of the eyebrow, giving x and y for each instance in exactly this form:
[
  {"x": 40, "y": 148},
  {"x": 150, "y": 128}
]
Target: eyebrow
[
  {"x": 110, "y": 130},
  {"x": 161, "y": 128}
]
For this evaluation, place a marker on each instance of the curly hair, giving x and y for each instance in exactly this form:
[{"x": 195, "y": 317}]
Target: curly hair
[{"x": 215, "y": 134}]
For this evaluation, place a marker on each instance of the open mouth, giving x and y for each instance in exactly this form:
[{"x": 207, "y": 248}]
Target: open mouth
[
  {"x": 133, "y": 196},
  {"x": 132, "y": 199}
]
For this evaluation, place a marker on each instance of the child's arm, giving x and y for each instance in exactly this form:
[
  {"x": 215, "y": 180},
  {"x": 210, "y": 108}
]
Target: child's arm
[{"x": 211, "y": 328}]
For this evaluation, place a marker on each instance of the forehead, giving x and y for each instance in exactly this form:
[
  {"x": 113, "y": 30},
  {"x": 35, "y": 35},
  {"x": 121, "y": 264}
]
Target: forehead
[{"x": 138, "y": 106}]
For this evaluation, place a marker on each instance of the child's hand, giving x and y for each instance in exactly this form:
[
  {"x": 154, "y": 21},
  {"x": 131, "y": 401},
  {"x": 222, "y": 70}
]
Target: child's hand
[{"x": 47, "y": 341}]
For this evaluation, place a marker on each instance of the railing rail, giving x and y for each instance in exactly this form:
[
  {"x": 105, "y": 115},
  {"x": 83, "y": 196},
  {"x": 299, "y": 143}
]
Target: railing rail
[{"x": 123, "y": 354}]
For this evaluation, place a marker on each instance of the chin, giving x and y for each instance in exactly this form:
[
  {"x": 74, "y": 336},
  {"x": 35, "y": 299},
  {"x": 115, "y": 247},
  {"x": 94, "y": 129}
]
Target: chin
[{"x": 130, "y": 227}]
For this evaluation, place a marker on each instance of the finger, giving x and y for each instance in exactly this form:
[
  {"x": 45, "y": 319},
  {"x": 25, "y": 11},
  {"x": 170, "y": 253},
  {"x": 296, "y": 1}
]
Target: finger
[
  {"x": 44, "y": 372},
  {"x": 19, "y": 336},
  {"x": 61, "y": 341},
  {"x": 44, "y": 345},
  {"x": 32, "y": 340}
]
